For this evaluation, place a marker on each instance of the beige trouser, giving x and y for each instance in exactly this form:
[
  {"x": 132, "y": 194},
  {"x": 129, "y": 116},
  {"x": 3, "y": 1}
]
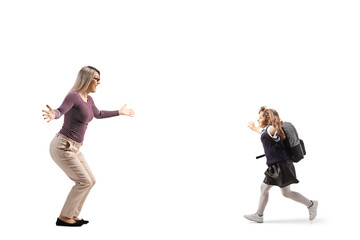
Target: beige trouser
[{"x": 66, "y": 154}]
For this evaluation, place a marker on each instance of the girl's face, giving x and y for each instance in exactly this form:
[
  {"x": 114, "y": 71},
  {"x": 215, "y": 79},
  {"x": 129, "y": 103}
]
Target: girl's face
[
  {"x": 94, "y": 83},
  {"x": 262, "y": 120}
]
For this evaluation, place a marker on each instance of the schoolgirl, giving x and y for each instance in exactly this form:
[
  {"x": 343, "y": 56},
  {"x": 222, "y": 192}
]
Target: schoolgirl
[{"x": 281, "y": 170}]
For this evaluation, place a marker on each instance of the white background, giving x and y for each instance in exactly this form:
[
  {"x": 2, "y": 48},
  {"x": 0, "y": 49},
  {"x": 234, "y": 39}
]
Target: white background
[{"x": 195, "y": 72}]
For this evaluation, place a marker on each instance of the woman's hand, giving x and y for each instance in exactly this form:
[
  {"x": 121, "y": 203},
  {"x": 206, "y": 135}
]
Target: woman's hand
[
  {"x": 252, "y": 127},
  {"x": 126, "y": 111},
  {"x": 49, "y": 114}
]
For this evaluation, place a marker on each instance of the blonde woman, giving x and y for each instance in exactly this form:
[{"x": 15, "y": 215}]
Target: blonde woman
[
  {"x": 281, "y": 170},
  {"x": 78, "y": 109}
]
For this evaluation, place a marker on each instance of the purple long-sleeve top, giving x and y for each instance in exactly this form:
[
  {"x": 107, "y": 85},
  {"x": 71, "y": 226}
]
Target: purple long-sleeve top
[{"x": 78, "y": 114}]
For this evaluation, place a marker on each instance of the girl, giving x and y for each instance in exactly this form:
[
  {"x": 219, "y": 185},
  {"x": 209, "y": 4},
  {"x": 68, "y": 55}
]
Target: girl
[
  {"x": 78, "y": 109},
  {"x": 281, "y": 170}
]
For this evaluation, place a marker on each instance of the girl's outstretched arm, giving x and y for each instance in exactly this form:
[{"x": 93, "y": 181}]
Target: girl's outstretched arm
[{"x": 252, "y": 126}]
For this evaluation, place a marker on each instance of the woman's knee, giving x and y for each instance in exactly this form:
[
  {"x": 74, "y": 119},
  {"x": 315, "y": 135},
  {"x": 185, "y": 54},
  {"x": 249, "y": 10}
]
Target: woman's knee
[
  {"x": 93, "y": 181},
  {"x": 85, "y": 183}
]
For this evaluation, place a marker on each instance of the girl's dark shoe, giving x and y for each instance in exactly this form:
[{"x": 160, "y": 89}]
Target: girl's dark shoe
[
  {"x": 60, "y": 222},
  {"x": 82, "y": 221}
]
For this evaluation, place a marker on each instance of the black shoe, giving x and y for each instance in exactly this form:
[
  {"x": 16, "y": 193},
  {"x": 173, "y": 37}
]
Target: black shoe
[
  {"x": 60, "y": 222},
  {"x": 82, "y": 221}
]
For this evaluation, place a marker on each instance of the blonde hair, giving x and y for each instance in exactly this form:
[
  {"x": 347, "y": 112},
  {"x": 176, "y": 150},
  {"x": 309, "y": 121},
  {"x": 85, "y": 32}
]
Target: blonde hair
[
  {"x": 83, "y": 80},
  {"x": 272, "y": 118}
]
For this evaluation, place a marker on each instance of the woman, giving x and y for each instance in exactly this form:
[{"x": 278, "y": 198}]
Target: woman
[
  {"x": 79, "y": 109},
  {"x": 281, "y": 170}
]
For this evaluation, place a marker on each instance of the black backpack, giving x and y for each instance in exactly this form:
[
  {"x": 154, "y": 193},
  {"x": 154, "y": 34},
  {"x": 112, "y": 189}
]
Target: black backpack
[{"x": 294, "y": 146}]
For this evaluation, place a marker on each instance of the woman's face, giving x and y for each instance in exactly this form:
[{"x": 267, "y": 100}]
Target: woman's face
[
  {"x": 262, "y": 120},
  {"x": 94, "y": 83}
]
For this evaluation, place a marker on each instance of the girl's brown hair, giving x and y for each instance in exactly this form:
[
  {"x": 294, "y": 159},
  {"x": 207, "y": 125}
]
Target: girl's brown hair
[{"x": 272, "y": 118}]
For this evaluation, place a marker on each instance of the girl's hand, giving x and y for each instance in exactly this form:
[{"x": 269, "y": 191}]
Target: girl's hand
[
  {"x": 49, "y": 114},
  {"x": 252, "y": 127},
  {"x": 127, "y": 112}
]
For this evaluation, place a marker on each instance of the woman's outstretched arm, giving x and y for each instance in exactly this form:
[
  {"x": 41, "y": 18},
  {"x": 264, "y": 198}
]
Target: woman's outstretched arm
[
  {"x": 49, "y": 114},
  {"x": 106, "y": 114},
  {"x": 67, "y": 104}
]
